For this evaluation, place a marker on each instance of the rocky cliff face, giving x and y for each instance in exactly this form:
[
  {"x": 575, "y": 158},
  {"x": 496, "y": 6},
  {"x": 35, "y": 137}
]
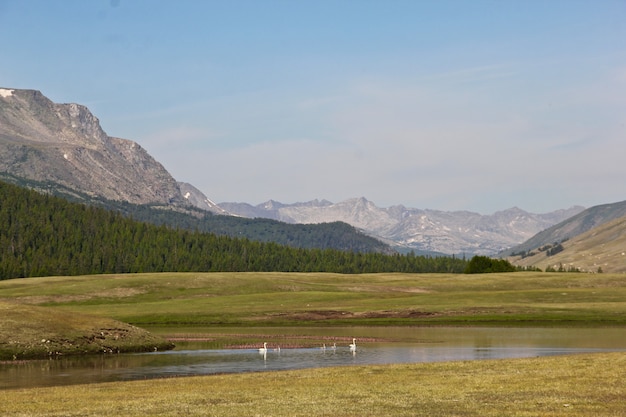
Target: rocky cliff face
[
  {"x": 64, "y": 143},
  {"x": 421, "y": 230}
]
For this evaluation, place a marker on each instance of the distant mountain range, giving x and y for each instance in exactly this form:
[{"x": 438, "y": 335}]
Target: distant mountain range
[
  {"x": 423, "y": 231},
  {"x": 64, "y": 147}
]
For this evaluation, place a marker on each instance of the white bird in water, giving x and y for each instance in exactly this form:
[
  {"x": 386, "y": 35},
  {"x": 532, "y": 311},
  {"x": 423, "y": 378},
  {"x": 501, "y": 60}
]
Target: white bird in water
[
  {"x": 264, "y": 348},
  {"x": 353, "y": 345}
]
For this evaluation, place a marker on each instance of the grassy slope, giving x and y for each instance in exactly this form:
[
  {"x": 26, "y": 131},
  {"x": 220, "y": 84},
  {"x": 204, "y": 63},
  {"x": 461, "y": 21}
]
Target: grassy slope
[
  {"x": 289, "y": 298},
  {"x": 35, "y": 332},
  {"x": 601, "y": 247}
]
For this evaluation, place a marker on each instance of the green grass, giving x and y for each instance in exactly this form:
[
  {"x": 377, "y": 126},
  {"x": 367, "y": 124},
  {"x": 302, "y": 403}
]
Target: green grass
[
  {"x": 576, "y": 385},
  {"x": 287, "y": 298}
]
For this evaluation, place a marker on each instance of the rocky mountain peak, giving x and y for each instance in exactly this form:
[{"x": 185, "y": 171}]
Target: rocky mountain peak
[
  {"x": 65, "y": 144},
  {"x": 30, "y": 116},
  {"x": 197, "y": 199},
  {"x": 272, "y": 205}
]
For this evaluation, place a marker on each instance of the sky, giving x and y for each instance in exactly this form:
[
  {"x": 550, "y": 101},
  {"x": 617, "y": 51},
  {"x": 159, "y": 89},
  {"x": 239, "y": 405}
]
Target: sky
[{"x": 476, "y": 105}]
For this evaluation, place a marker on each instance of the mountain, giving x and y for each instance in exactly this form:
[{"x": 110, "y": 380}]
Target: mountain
[
  {"x": 601, "y": 248},
  {"x": 197, "y": 199},
  {"x": 64, "y": 147},
  {"x": 61, "y": 149},
  {"x": 571, "y": 227},
  {"x": 424, "y": 231},
  {"x": 64, "y": 144}
]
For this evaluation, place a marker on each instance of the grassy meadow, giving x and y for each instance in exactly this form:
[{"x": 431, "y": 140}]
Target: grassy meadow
[
  {"x": 574, "y": 385},
  {"x": 270, "y": 299}
]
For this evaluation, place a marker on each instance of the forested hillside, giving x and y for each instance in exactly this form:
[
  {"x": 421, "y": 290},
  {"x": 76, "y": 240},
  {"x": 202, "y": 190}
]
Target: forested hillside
[
  {"x": 336, "y": 235},
  {"x": 44, "y": 235}
]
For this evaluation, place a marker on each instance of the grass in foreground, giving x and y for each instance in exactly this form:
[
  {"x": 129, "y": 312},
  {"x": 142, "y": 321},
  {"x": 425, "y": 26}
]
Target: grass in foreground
[{"x": 576, "y": 385}]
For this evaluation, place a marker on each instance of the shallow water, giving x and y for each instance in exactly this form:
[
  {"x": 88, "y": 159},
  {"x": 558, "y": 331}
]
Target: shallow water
[{"x": 385, "y": 346}]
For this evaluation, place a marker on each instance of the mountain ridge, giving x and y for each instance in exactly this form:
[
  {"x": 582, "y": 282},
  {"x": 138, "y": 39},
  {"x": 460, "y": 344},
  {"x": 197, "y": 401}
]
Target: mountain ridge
[
  {"x": 598, "y": 249},
  {"x": 571, "y": 227},
  {"x": 424, "y": 230},
  {"x": 64, "y": 143}
]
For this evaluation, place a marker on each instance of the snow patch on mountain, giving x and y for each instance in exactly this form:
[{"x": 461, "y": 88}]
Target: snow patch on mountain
[{"x": 197, "y": 199}]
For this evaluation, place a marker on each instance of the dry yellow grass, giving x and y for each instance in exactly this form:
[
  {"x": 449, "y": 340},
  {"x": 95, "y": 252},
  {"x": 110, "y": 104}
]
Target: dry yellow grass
[
  {"x": 28, "y": 332},
  {"x": 577, "y": 385},
  {"x": 600, "y": 248}
]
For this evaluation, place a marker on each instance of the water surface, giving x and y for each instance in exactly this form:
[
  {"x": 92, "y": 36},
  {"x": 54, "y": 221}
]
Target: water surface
[{"x": 386, "y": 345}]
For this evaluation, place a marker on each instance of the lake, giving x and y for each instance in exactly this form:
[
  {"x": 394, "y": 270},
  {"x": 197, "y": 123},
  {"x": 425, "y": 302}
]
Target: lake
[{"x": 375, "y": 345}]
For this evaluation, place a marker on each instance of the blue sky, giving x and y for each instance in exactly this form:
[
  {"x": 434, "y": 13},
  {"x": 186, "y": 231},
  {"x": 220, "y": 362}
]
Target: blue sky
[{"x": 474, "y": 105}]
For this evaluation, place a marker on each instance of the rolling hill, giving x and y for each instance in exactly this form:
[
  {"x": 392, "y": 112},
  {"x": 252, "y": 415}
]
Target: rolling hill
[
  {"x": 600, "y": 249},
  {"x": 570, "y": 227}
]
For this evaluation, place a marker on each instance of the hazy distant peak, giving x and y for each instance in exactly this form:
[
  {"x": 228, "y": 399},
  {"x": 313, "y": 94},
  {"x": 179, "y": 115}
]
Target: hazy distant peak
[{"x": 414, "y": 229}]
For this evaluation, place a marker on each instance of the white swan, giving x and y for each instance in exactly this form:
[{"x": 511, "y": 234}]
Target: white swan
[
  {"x": 264, "y": 348},
  {"x": 323, "y": 346},
  {"x": 353, "y": 345}
]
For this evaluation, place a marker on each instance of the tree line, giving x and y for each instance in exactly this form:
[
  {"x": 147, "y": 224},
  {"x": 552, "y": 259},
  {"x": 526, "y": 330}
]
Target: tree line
[
  {"x": 43, "y": 235},
  {"x": 335, "y": 235}
]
